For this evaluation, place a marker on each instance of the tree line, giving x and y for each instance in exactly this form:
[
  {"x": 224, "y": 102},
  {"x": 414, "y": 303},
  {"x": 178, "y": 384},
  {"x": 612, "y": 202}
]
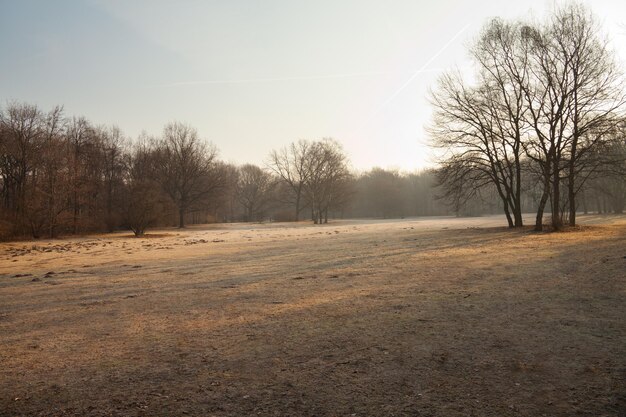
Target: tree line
[
  {"x": 64, "y": 175},
  {"x": 543, "y": 114}
]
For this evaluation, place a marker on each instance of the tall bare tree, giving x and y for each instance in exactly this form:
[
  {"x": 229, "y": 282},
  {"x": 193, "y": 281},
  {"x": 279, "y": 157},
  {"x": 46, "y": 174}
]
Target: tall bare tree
[
  {"x": 22, "y": 138},
  {"x": 112, "y": 153},
  {"x": 80, "y": 136},
  {"x": 254, "y": 191},
  {"x": 188, "y": 169},
  {"x": 596, "y": 94},
  {"x": 144, "y": 203},
  {"x": 327, "y": 178},
  {"x": 479, "y": 151},
  {"x": 52, "y": 191},
  {"x": 290, "y": 164}
]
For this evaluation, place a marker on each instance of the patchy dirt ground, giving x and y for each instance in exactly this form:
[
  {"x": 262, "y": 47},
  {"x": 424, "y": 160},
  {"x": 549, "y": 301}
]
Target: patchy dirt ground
[{"x": 438, "y": 317}]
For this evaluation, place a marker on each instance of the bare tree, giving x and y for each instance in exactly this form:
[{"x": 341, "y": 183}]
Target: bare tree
[
  {"x": 481, "y": 127},
  {"x": 187, "y": 168},
  {"x": 596, "y": 94},
  {"x": 22, "y": 137},
  {"x": 480, "y": 152},
  {"x": 79, "y": 136},
  {"x": 225, "y": 206},
  {"x": 254, "y": 191},
  {"x": 112, "y": 144},
  {"x": 145, "y": 202},
  {"x": 290, "y": 164},
  {"x": 49, "y": 196},
  {"x": 327, "y": 178}
]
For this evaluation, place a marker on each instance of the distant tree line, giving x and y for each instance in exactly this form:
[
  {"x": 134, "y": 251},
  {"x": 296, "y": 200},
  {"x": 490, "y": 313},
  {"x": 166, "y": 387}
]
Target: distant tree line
[
  {"x": 64, "y": 175},
  {"x": 543, "y": 115}
]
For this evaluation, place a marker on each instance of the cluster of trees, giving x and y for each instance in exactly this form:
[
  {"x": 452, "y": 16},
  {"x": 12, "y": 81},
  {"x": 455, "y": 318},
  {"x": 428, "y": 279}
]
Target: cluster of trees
[
  {"x": 309, "y": 178},
  {"x": 56, "y": 172},
  {"x": 543, "y": 115},
  {"x": 314, "y": 175},
  {"x": 63, "y": 175}
]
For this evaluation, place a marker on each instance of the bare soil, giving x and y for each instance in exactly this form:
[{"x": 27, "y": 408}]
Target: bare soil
[{"x": 419, "y": 317}]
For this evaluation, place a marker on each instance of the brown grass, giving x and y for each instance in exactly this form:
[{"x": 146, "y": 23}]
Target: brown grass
[{"x": 444, "y": 317}]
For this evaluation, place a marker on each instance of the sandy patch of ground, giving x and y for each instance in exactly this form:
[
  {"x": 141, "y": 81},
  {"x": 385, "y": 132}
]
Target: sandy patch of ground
[{"x": 416, "y": 317}]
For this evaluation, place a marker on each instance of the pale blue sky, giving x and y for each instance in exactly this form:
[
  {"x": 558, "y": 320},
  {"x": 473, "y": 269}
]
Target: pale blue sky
[{"x": 254, "y": 75}]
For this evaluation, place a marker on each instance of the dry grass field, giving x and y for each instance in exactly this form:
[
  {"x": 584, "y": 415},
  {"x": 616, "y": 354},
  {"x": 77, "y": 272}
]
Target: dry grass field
[{"x": 421, "y": 317}]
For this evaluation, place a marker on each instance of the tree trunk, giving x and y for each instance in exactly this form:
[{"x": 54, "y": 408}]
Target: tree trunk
[
  {"x": 571, "y": 188},
  {"x": 541, "y": 208},
  {"x": 519, "y": 222},
  {"x": 571, "y": 174},
  {"x": 297, "y": 206},
  {"x": 51, "y": 216},
  {"x": 557, "y": 221},
  {"x": 181, "y": 218},
  {"x": 572, "y": 204},
  {"x": 505, "y": 196},
  {"x": 75, "y": 214},
  {"x": 110, "y": 225},
  {"x": 508, "y": 214},
  {"x": 517, "y": 209}
]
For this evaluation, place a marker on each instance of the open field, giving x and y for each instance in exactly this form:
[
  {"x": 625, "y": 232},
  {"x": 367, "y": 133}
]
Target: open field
[{"x": 423, "y": 317}]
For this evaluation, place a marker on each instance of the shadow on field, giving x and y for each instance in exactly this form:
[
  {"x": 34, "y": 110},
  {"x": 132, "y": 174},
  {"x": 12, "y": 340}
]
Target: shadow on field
[{"x": 482, "y": 322}]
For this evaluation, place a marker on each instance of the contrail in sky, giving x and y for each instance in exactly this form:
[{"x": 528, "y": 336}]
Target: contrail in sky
[{"x": 421, "y": 70}]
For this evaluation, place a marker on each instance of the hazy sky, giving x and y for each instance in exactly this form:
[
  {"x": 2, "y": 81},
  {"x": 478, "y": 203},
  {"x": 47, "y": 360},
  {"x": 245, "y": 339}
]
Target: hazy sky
[{"x": 252, "y": 76}]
